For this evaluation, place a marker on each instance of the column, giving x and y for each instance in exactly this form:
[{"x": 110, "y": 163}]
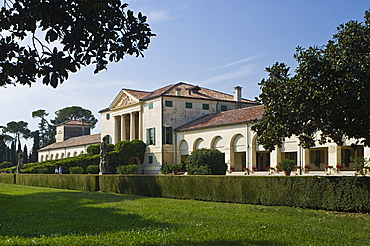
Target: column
[
  {"x": 141, "y": 125},
  {"x": 123, "y": 127},
  {"x": 132, "y": 126},
  {"x": 117, "y": 128}
]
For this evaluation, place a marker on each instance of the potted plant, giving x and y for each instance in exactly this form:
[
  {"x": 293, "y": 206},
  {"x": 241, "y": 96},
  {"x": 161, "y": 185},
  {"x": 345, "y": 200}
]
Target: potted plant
[
  {"x": 232, "y": 169},
  {"x": 339, "y": 168},
  {"x": 307, "y": 168},
  {"x": 287, "y": 166},
  {"x": 254, "y": 169}
]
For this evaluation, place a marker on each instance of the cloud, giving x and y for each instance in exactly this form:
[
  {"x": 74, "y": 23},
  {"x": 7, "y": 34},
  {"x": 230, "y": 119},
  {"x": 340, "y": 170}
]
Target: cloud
[
  {"x": 243, "y": 71},
  {"x": 159, "y": 16},
  {"x": 240, "y": 61}
]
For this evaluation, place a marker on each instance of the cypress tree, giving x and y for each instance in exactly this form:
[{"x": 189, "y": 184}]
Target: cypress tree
[
  {"x": 25, "y": 154},
  {"x": 13, "y": 154},
  {"x": 35, "y": 146},
  {"x": 2, "y": 151}
]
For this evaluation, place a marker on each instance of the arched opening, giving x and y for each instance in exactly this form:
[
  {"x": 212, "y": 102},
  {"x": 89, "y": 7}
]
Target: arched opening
[
  {"x": 62, "y": 156},
  {"x": 184, "y": 151},
  {"x": 199, "y": 144},
  {"x": 51, "y": 157},
  {"x": 56, "y": 156},
  {"x": 261, "y": 157},
  {"x": 218, "y": 143},
  {"x": 42, "y": 158},
  {"x": 74, "y": 153},
  {"x": 68, "y": 154},
  {"x": 238, "y": 152}
]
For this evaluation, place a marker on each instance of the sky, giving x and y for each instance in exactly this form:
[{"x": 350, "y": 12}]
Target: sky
[{"x": 211, "y": 43}]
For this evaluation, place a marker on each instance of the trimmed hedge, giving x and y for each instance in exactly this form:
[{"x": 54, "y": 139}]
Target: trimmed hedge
[
  {"x": 329, "y": 193},
  {"x": 8, "y": 178},
  {"x": 60, "y": 181},
  {"x": 351, "y": 194}
]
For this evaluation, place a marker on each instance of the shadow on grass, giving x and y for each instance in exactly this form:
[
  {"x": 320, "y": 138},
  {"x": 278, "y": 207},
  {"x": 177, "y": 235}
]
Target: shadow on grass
[
  {"x": 71, "y": 213},
  {"x": 66, "y": 213}
]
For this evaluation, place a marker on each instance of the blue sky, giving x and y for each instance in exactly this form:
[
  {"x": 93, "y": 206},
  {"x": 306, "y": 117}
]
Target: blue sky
[{"x": 211, "y": 43}]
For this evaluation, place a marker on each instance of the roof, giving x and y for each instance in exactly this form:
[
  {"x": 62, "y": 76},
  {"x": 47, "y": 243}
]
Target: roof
[
  {"x": 75, "y": 122},
  {"x": 230, "y": 117},
  {"x": 75, "y": 141},
  {"x": 191, "y": 91}
]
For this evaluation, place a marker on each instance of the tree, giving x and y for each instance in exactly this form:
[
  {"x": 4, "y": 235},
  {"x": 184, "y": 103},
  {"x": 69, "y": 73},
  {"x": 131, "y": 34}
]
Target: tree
[
  {"x": 77, "y": 33},
  {"x": 327, "y": 97},
  {"x": 47, "y": 130},
  {"x": 35, "y": 147},
  {"x": 74, "y": 113},
  {"x": 18, "y": 129}
]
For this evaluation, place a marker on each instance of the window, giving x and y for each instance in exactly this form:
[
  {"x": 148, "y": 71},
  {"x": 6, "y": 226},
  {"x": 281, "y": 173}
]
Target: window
[
  {"x": 188, "y": 105},
  {"x": 223, "y": 108},
  {"x": 168, "y": 103},
  {"x": 150, "y": 136},
  {"x": 150, "y": 105},
  {"x": 150, "y": 159},
  {"x": 107, "y": 116},
  {"x": 167, "y": 135},
  {"x": 205, "y": 106}
]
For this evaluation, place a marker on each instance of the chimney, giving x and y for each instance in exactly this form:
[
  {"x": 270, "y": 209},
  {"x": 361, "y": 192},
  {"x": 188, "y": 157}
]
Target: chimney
[
  {"x": 178, "y": 91},
  {"x": 238, "y": 96}
]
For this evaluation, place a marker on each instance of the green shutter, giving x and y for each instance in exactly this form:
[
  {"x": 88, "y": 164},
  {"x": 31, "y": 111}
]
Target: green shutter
[
  {"x": 153, "y": 135},
  {"x": 163, "y": 135},
  {"x": 170, "y": 135},
  {"x": 147, "y": 136}
]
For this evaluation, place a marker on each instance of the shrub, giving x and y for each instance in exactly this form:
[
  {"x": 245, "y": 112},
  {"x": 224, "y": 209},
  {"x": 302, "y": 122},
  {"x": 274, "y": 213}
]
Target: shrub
[
  {"x": 360, "y": 165},
  {"x": 6, "y": 164},
  {"x": 93, "y": 169},
  {"x": 169, "y": 168},
  {"x": 127, "y": 169},
  {"x": 287, "y": 165},
  {"x": 206, "y": 161},
  {"x": 93, "y": 149},
  {"x": 76, "y": 170}
]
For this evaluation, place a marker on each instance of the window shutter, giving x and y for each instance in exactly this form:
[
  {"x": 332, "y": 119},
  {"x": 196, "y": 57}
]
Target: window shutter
[
  {"x": 147, "y": 136},
  {"x": 153, "y": 135},
  {"x": 170, "y": 135},
  {"x": 163, "y": 135}
]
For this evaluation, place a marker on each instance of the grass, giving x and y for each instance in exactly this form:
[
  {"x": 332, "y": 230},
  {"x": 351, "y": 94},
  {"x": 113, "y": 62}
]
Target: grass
[{"x": 45, "y": 216}]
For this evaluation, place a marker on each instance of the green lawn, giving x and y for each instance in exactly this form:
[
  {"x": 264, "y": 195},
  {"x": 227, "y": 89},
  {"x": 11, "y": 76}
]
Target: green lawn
[{"x": 44, "y": 216}]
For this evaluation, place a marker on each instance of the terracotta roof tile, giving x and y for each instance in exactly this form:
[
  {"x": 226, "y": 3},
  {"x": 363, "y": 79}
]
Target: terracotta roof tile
[
  {"x": 82, "y": 140},
  {"x": 75, "y": 122},
  {"x": 230, "y": 117},
  {"x": 192, "y": 91},
  {"x": 137, "y": 94}
]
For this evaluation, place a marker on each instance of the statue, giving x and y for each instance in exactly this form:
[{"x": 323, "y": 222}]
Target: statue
[
  {"x": 103, "y": 166},
  {"x": 20, "y": 162}
]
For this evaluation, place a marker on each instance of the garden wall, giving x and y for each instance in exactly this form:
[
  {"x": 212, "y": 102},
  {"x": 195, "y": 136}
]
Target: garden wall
[{"x": 328, "y": 192}]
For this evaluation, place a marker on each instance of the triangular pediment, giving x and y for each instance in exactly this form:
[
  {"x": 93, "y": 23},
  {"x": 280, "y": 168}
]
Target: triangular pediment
[{"x": 123, "y": 99}]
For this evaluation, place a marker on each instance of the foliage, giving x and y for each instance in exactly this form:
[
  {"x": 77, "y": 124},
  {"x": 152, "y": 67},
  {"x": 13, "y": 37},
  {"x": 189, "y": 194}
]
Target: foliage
[
  {"x": 18, "y": 129},
  {"x": 76, "y": 33},
  {"x": 76, "y": 170},
  {"x": 169, "y": 168},
  {"x": 127, "y": 149},
  {"x": 46, "y": 133},
  {"x": 206, "y": 161},
  {"x": 6, "y": 164},
  {"x": 93, "y": 149},
  {"x": 287, "y": 165},
  {"x": 328, "y": 92},
  {"x": 361, "y": 165},
  {"x": 92, "y": 169},
  {"x": 127, "y": 169},
  {"x": 74, "y": 113}
]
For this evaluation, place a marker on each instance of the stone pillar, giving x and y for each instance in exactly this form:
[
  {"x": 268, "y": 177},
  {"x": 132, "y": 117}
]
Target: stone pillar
[
  {"x": 141, "y": 125},
  {"x": 334, "y": 155},
  {"x": 117, "y": 128},
  {"x": 123, "y": 127},
  {"x": 132, "y": 126}
]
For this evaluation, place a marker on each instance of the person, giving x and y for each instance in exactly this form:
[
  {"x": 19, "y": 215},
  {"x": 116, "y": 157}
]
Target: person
[
  {"x": 56, "y": 170},
  {"x": 60, "y": 171}
]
